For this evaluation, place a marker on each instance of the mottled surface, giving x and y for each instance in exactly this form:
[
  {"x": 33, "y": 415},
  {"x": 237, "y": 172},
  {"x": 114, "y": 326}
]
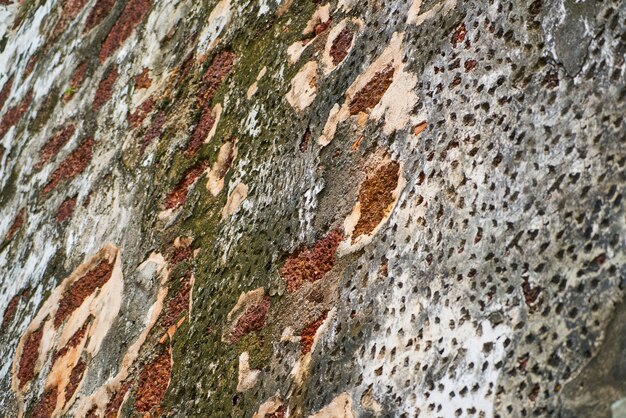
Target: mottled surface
[{"x": 343, "y": 209}]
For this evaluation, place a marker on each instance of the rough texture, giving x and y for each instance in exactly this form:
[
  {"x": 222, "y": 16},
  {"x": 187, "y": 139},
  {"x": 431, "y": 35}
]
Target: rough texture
[{"x": 277, "y": 208}]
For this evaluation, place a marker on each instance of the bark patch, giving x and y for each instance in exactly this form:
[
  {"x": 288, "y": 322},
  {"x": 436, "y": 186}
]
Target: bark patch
[
  {"x": 375, "y": 196},
  {"x": 312, "y": 263}
]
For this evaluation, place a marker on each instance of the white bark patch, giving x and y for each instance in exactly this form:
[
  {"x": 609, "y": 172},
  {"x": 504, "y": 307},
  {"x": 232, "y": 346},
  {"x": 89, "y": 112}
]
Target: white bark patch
[
  {"x": 103, "y": 306},
  {"x": 218, "y": 19},
  {"x": 303, "y": 87},
  {"x": 238, "y": 195},
  {"x": 269, "y": 407},
  {"x": 154, "y": 266},
  {"x": 327, "y": 59},
  {"x": 247, "y": 378},
  {"x": 217, "y": 114},
  {"x": 254, "y": 87},
  {"x": 396, "y": 104},
  {"x": 416, "y": 18},
  {"x": 340, "y": 407}
]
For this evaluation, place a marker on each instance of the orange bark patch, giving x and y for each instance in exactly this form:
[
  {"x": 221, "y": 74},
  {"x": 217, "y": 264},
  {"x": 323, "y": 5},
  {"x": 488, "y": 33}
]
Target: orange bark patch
[
  {"x": 54, "y": 144},
  {"x": 4, "y": 93},
  {"x": 419, "y": 128},
  {"x": 253, "y": 319},
  {"x": 341, "y": 45},
  {"x": 375, "y": 196},
  {"x": 30, "y": 353},
  {"x": 105, "y": 89},
  {"x": 153, "y": 382},
  {"x": 132, "y": 15},
  {"x": 113, "y": 406},
  {"x": 100, "y": 10},
  {"x": 80, "y": 290},
  {"x": 73, "y": 165},
  {"x": 373, "y": 91},
  {"x": 155, "y": 130},
  {"x": 178, "y": 195},
  {"x": 215, "y": 75},
  {"x": 18, "y": 222},
  {"x": 137, "y": 117},
  {"x": 143, "y": 80},
  {"x": 311, "y": 264},
  {"x": 46, "y": 405},
  {"x": 15, "y": 113},
  {"x": 308, "y": 333},
  {"x": 75, "y": 377}
]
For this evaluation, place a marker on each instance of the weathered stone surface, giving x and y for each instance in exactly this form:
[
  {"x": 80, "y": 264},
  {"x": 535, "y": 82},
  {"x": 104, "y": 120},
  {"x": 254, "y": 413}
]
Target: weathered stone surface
[{"x": 280, "y": 208}]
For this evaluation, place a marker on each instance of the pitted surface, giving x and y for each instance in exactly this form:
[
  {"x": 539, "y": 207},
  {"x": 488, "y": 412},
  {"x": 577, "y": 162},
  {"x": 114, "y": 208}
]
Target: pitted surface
[{"x": 403, "y": 208}]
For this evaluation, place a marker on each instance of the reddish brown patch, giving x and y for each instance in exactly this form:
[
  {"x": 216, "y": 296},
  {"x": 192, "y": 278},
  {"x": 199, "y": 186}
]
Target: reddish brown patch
[
  {"x": 201, "y": 131},
  {"x": 71, "y": 9},
  {"x": 75, "y": 377},
  {"x": 530, "y": 293},
  {"x": 304, "y": 142},
  {"x": 72, "y": 342},
  {"x": 83, "y": 288},
  {"x": 215, "y": 75},
  {"x": 113, "y": 406},
  {"x": 178, "y": 195},
  {"x": 375, "y": 196},
  {"x": 470, "y": 65},
  {"x": 341, "y": 45},
  {"x": 18, "y": 222},
  {"x": 46, "y": 405},
  {"x": 66, "y": 209},
  {"x": 280, "y": 413},
  {"x": 253, "y": 319},
  {"x": 15, "y": 113},
  {"x": 72, "y": 166},
  {"x": 459, "y": 35},
  {"x": 137, "y": 117},
  {"x": 143, "y": 80},
  {"x": 155, "y": 130},
  {"x": 177, "y": 305},
  {"x": 54, "y": 144},
  {"x": 311, "y": 264},
  {"x": 92, "y": 413},
  {"x": 4, "y": 93},
  {"x": 105, "y": 88},
  {"x": 308, "y": 334},
  {"x": 100, "y": 10},
  {"x": 153, "y": 382},
  {"x": 132, "y": 15},
  {"x": 370, "y": 95},
  {"x": 180, "y": 254},
  {"x": 77, "y": 80},
  {"x": 30, "y": 65},
  {"x": 322, "y": 27},
  {"x": 9, "y": 313},
  {"x": 30, "y": 353}
]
